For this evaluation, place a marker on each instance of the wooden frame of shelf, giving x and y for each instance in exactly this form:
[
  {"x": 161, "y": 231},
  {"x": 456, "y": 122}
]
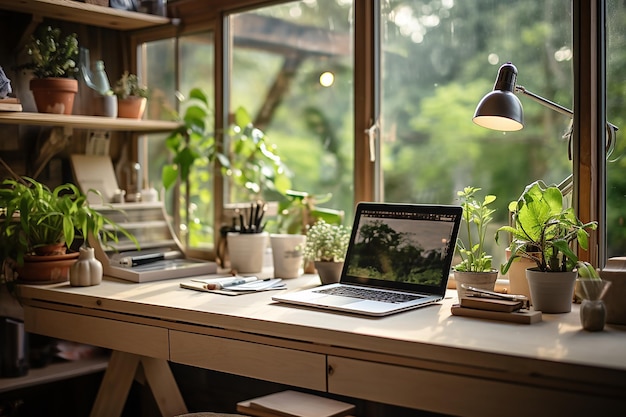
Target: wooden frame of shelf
[
  {"x": 87, "y": 122},
  {"x": 55, "y": 372},
  {"x": 74, "y": 11}
]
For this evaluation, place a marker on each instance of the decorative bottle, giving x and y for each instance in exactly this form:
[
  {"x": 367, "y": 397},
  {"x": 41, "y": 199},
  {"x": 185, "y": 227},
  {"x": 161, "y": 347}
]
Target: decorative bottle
[{"x": 87, "y": 270}]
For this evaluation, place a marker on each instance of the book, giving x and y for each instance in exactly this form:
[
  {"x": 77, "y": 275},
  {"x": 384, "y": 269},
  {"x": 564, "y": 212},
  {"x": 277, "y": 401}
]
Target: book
[
  {"x": 10, "y": 104},
  {"x": 520, "y": 316},
  {"x": 491, "y": 304},
  {"x": 294, "y": 404}
]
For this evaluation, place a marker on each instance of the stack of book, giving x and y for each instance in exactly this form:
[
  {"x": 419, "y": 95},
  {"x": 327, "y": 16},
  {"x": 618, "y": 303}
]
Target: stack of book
[
  {"x": 294, "y": 404},
  {"x": 495, "y": 308},
  {"x": 10, "y": 104}
]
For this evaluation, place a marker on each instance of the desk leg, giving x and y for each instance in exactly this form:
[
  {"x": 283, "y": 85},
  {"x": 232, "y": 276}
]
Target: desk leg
[
  {"x": 163, "y": 386},
  {"x": 115, "y": 385},
  {"x": 119, "y": 376}
]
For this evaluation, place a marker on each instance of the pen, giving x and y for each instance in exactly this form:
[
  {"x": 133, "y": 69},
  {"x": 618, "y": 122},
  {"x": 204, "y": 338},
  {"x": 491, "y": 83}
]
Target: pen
[
  {"x": 220, "y": 285},
  {"x": 147, "y": 258}
]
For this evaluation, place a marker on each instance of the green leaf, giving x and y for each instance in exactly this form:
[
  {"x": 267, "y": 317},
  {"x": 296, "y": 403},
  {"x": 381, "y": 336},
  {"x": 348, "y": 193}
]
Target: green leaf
[{"x": 169, "y": 174}]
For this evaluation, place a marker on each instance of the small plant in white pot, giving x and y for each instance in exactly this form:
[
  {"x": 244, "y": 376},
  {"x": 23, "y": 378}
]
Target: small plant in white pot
[
  {"x": 475, "y": 267},
  {"x": 326, "y": 246},
  {"x": 542, "y": 222}
]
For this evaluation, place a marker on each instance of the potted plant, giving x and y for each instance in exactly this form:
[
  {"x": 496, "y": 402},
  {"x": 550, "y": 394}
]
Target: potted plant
[
  {"x": 300, "y": 210},
  {"x": 131, "y": 96},
  {"x": 475, "y": 267},
  {"x": 53, "y": 62},
  {"x": 542, "y": 223},
  {"x": 326, "y": 246},
  {"x": 40, "y": 226}
]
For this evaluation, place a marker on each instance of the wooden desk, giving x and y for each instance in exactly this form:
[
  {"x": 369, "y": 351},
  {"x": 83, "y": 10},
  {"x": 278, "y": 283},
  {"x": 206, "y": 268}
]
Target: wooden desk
[{"x": 424, "y": 359}]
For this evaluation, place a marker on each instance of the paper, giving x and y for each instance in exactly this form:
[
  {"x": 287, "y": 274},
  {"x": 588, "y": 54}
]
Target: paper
[
  {"x": 251, "y": 286},
  {"x": 295, "y": 404}
]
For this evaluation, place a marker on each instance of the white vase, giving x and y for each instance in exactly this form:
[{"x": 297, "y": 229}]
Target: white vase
[
  {"x": 87, "y": 270},
  {"x": 246, "y": 250},
  {"x": 551, "y": 292}
]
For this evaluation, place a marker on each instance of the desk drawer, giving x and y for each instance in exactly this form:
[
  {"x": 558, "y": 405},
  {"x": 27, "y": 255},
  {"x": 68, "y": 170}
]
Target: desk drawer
[
  {"x": 111, "y": 334},
  {"x": 286, "y": 366},
  {"x": 462, "y": 395}
]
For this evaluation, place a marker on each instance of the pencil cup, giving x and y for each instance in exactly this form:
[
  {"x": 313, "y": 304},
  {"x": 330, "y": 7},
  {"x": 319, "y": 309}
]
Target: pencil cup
[
  {"x": 246, "y": 250},
  {"x": 287, "y": 254}
]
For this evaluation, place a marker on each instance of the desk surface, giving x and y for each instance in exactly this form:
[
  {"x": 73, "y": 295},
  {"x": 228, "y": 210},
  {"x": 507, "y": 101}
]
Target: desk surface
[{"x": 555, "y": 351}]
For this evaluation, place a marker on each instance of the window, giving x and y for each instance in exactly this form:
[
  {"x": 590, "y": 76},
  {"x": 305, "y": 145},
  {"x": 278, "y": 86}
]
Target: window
[
  {"x": 194, "y": 55},
  {"x": 426, "y": 68},
  {"x": 615, "y": 111},
  {"x": 292, "y": 72},
  {"x": 438, "y": 60}
]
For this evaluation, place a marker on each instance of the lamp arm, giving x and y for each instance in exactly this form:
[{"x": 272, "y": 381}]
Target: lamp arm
[
  {"x": 547, "y": 103},
  {"x": 557, "y": 107}
]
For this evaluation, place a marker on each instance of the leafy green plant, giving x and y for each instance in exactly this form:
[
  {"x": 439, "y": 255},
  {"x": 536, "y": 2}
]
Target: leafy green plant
[
  {"x": 52, "y": 55},
  {"x": 36, "y": 216},
  {"x": 191, "y": 141},
  {"x": 476, "y": 216},
  {"x": 543, "y": 223},
  {"x": 128, "y": 86},
  {"x": 299, "y": 210},
  {"x": 326, "y": 242},
  {"x": 254, "y": 165}
]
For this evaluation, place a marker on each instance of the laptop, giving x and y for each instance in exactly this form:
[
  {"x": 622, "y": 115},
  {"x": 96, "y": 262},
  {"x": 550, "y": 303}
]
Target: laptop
[{"x": 398, "y": 258}]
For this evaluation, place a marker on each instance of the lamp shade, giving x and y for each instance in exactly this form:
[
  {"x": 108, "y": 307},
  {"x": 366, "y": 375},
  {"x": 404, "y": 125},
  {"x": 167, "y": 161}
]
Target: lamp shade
[{"x": 501, "y": 109}]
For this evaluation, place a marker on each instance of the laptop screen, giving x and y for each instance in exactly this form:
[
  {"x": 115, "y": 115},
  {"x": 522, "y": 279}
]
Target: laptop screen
[{"x": 402, "y": 246}]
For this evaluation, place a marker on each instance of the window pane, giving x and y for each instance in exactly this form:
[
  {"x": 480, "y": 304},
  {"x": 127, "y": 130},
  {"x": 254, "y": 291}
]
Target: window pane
[
  {"x": 616, "y": 114},
  {"x": 439, "y": 58},
  {"x": 278, "y": 58},
  {"x": 195, "y": 64}
]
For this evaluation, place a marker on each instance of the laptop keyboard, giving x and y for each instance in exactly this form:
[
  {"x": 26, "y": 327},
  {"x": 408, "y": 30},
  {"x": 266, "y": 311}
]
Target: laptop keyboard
[{"x": 369, "y": 294}]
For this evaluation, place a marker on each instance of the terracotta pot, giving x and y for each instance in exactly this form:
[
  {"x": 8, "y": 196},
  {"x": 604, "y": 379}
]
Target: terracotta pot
[
  {"x": 51, "y": 249},
  {"x": 46, "y": 269},
  {"x": 54, "y": 95},
  {"x": 518, "y": 284},
  {"x": 131, "y": 107}
]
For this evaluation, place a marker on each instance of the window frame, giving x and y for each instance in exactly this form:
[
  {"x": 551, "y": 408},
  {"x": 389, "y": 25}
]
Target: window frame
[{"x": 589, "y": 165}]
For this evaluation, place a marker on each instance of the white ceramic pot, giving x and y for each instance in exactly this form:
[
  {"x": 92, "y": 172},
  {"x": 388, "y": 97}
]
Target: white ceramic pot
[
  {"x": 246, "y": 250},
  {"x": 287, "y": 254},
  {"x": 551, "y": 292}
]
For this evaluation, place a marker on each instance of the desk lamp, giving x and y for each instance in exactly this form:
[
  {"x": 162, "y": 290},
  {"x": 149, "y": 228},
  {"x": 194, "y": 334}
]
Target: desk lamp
[{"x": 501, "y": 109}]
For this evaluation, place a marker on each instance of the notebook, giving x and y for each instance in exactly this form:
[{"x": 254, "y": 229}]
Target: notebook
[{"x": 398, "y": 258}]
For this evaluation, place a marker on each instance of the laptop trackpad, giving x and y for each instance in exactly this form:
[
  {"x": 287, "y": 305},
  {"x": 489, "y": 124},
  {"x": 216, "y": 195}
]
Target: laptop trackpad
[{"x": 332, "y": 300}]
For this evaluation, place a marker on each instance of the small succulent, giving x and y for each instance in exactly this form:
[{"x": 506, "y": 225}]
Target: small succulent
[{"x": 128, "y": 85}]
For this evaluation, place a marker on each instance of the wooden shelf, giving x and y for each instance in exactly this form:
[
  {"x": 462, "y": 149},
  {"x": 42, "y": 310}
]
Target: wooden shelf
[
  {"x": 55, "y": 372},
  {"x": 87, "y": 122},
  {"x": 74, "y": 11}
]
